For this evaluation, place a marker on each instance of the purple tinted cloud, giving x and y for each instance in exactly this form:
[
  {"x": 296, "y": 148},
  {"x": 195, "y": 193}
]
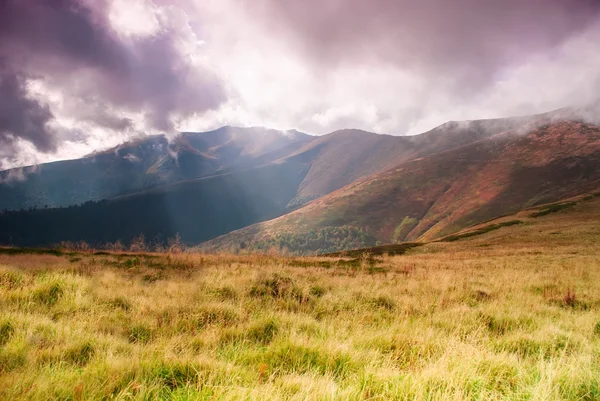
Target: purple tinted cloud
[
  {"x": 20, "y": 115},
  {"x": 466, "y": 42},
  {"x": 71, "y": 45}
]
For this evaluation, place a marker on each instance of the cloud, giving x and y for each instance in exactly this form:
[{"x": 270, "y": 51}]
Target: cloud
[
  {"x": 397, "y": 66},
  {"x": 92, "y": 74},
  {"x": 20, "y": 115},
  {"x": 88, "y": 72},
  {"x": 132, "y": 158},
  {"x": 464, "y": 42},
  {"x": 17, "y": 174}
]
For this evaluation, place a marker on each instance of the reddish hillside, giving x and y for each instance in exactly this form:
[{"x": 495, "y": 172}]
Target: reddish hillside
[
  {"x": 344, "y": 156},
  {"x": 445, "y": 192}
]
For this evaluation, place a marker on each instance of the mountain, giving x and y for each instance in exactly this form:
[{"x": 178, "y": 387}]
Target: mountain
[
  {"x": 335, "y": 160},
  {"x": 365, "y": 188},
  {"x": 344, "y": 156},
  {"x": 139, "y": 165},
  {"x": 197, "y": 209},
  {"x": 429, "y": 197}
]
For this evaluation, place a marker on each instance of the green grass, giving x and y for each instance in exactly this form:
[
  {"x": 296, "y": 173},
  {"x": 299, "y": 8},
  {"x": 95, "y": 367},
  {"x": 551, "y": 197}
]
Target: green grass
[
  {"x": 556, "y": 207},
  {"x": 480, "y": 231},
  {"x": 391, "y": 250},
  {"x": 516, "y": 319},
  {"x": 402, "y": 230}
]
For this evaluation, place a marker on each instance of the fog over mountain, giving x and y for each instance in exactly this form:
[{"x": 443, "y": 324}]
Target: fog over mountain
[{"x": 78, "y": 76}]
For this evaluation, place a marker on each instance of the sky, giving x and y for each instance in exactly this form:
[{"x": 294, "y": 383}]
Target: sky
[{"x": 78, "y": 76}]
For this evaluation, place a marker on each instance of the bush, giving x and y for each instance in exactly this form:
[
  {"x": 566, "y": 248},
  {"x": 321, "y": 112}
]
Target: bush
[{"x": 138, "y": 244}]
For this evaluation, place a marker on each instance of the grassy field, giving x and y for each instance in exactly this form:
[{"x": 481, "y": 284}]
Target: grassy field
[{"x": 513, "y": 313}]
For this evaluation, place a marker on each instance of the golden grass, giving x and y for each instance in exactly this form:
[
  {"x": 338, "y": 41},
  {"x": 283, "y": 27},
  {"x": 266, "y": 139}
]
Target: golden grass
[{"x": 512, "y": 314}]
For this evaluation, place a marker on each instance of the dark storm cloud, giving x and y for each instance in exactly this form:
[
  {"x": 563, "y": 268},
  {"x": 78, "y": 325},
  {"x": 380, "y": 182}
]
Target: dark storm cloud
[
  {"x": 71, "y": 45},
  {"x": 20, "y": 115},
  {"x": 466, "y": 42}
]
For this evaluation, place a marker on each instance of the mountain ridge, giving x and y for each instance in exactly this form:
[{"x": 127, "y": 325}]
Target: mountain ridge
[
  {"x": 432, "y": 196},
  {"x": 270, "y": 174},
  {"x": 135, "y": 166}
]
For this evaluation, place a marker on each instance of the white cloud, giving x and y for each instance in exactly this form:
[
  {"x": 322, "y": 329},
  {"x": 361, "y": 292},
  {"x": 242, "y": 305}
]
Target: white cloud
[{"x": 269, "y": 80}]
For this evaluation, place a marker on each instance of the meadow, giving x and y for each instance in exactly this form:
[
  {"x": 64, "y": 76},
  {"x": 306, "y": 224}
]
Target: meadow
[{"x": 511, "y": 314}]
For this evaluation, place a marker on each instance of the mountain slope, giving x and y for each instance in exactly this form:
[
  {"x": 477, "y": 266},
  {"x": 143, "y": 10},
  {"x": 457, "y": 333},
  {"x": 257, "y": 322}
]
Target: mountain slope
[
  {"x": 139, "y": 165},
  {"x": 204, "y": 185},
  {"x": 344, "y": 156},
  {"x": 440, "y": 194},
  {"x": 335, "y": 160},
  {"x": 197, "y": 209}
]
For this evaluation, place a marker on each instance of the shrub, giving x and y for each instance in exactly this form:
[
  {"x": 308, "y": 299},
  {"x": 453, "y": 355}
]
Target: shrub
[
  {"x": 138, "y": 244},
  {"x": 175, "y": 244},
  {"x": 116, "y": 246},
  {"x": 323, "y": 240}
]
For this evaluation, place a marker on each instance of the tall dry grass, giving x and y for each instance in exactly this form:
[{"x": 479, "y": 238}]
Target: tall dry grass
[{"x": 512, "y": 314}]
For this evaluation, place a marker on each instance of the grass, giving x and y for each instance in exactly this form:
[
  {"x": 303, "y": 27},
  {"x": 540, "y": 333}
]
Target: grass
[
  {"x": 553, "y": 208},
  {"x": 390, "y": 250},
  {"x": 516, "y": 319},
  {"x": 482, "y": 230}
]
